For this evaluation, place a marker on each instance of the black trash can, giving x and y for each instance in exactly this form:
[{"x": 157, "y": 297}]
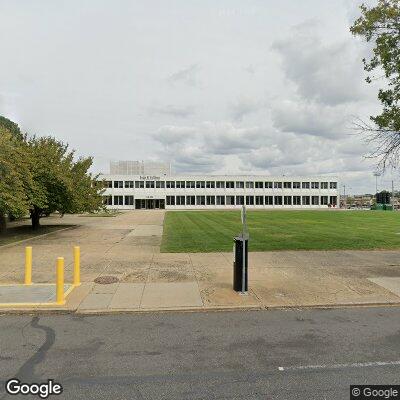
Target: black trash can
[{"x": 240, "y": 264}]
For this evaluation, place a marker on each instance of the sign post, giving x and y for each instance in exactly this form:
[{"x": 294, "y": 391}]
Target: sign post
[{"x": 240, "y": 273}]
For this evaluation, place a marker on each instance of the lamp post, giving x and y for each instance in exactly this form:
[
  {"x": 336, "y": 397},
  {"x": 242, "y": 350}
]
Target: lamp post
[{"x": 376, "y": 174}]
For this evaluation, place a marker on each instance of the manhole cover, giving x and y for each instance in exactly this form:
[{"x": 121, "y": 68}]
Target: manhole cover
[{"x": 105, "y": 280}]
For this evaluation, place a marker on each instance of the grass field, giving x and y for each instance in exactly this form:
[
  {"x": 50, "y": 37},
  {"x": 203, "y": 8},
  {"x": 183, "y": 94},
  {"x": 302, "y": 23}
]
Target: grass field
[{"x": 211, "y": 231}]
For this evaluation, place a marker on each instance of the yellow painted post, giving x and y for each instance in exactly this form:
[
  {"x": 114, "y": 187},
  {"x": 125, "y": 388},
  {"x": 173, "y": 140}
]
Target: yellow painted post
[
  {"x": 77, "y": 266},
  {"x": 28, "y": 265},
  {"x": 60, "y": 281}
]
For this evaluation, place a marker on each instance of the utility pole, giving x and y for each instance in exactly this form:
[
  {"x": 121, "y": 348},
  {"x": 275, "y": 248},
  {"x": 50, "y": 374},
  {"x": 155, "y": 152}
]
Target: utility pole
[
  {"x": 344, "y": 196},
  {"x": 376, "y": 174},
  {"x": 392, "y": 202}
]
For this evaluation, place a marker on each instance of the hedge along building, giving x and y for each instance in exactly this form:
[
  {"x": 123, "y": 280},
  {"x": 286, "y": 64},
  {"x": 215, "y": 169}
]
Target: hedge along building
[{"x": 127, "y": 189}]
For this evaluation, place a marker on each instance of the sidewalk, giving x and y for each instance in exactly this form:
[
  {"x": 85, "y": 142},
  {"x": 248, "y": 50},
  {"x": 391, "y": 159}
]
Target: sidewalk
[{"x": 127, "y": 247}]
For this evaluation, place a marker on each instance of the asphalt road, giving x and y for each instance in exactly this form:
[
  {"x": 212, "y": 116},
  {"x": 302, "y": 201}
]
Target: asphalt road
[{"x": 309, "y": 354}]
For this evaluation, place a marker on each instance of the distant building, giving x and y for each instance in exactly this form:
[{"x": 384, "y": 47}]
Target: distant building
[
  {"x": 139, "y": 168},
  {"x": 143, "y": 185}
]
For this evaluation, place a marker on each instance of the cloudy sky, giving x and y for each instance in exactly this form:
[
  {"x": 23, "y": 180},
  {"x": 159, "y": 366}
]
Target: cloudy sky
[{"x": 227, "y": 86}]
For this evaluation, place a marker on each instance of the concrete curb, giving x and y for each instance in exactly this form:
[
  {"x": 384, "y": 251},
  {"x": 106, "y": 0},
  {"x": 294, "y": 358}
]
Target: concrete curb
[
  {"x": 36, "y": 237},
  {"x": 76, "y": 311}
]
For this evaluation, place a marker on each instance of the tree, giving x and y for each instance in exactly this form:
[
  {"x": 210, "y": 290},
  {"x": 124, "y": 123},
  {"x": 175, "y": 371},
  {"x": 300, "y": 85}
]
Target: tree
[
  {"x": 60, "y": 183},
  {"x": 380, "y": 25},
  {"x": 15, "y": 177}
]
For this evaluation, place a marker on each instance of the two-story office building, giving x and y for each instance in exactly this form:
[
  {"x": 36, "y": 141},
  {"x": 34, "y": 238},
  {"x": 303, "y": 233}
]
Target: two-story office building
[{"x": 159, "y": 191}]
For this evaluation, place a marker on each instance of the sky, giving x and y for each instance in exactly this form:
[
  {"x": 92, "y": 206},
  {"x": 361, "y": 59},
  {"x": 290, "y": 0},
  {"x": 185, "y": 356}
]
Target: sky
[{"x": 214, "y": 87}]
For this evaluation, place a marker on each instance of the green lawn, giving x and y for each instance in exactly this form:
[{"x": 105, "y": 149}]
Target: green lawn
[{"x": 210, "y": 231}]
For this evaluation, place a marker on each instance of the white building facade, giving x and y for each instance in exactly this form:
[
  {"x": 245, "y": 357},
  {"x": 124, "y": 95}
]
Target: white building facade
[{"x": 195, "y": 192}]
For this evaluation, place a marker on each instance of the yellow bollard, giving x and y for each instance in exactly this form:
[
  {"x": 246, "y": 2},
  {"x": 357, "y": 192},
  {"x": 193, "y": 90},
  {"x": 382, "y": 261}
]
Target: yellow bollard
[
  {"x": 77, "y": 266},
  {"x": 28, "y": 265},
  {"x": 60, "y": 281}
]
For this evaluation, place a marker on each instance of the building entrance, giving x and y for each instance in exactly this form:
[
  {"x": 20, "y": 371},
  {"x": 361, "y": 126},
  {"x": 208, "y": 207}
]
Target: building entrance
[{"x": 149, "y": 204}]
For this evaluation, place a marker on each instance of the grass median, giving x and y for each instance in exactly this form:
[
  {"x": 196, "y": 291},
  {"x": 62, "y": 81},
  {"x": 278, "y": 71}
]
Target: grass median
[{"x": 212, "y": 231}]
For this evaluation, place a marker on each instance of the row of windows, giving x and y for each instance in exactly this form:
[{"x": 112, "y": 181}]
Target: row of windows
[
  {"x": 231, "y": 200},
  {"x": 218, "y": 185}
]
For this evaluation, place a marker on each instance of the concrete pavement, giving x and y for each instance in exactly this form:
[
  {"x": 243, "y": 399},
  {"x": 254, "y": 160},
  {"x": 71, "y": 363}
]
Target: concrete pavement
[{"x": 128, "y": 247}]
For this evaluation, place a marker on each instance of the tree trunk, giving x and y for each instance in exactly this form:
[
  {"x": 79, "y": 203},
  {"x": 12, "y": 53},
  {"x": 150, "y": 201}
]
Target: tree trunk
[
  {"x": 3, "y": 223},
  {"x": 35, "y": 217}
]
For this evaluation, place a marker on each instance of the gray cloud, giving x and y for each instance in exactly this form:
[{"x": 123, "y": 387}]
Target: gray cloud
[
  {"x": 329, "y": 73},
  {"x": 173, "y": 111},
  {"x": 243, "y": 106},
  {"x": 310, "y": 119},
  {"x": 187, "y": 76}
]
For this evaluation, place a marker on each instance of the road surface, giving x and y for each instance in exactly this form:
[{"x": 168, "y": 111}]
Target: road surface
[{"x": 300, "y": 354}]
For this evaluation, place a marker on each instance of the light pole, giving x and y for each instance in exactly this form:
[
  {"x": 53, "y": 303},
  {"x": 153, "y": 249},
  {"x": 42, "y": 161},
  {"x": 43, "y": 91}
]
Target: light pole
[{"x": 376, "y": 174}]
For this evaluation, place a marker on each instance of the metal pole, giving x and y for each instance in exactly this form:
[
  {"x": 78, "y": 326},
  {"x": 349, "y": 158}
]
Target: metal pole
[
  {"x": 77, "y": 266},
  {"x": 28, "y": 265},
  {"x": 243, "y": 265},
  {"x": 60, "y": 281}
]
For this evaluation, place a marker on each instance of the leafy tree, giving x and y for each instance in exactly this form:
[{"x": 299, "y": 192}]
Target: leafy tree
[
  {"x": 61, "y": 184},
  {"x": 15, "y": 178},
  {"x": 11, "y": 127},
  {"x": 380, "y": 25}
]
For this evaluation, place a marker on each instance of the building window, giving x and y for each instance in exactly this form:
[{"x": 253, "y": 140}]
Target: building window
[
  {"x": 250, "y": 200},
  {"x": 211, "y": 200},
  {"x": 180, "y": 184},
  {"x": 129, "y": 184},
  {"x": 239, "y": 200},
  {"x": 333, "y": 185},
  {"x": 249, "y": 185},
  {"x": 240, "y": 185},
  {"x": 139, "y": 184},
  {"x": 324, "y": 200},
  {"x": 149, "y": 184},
  {"x": 220, "y": 200},
  {"x": 200, "y": 184},
  {"x": 278, "y": 185},
  {"x": 170, "y": 184},
  {"x": 333, "y": 200},
  {"x": 107, "y": 184},
  {"x": 129, "y": 200},
  {"x": 287, "y": 200},
  {"x": 268, "y": 185},
  {"x": 296, "y": 200},
  {"x": 269, "y": 200},
  {"x": 230, "y": 185},
  {"x": 259, "y": 200},
  {"x": 200, "y": 200},
  {"x": 118, "y": 200},
  {"x": 259, "y": 185},
  {"x": 220, "y": 185},
  {"x": 324, "y": 185},
  {"x": 287, "y": 185},
  {"x": 210, "y": 185},
  {"x": 107, "y": 200},
  {"x": 180, "y": 200},
  {"x": 278, "y": 200},
  {"x": 230, "y": 200},
  {"x": 191, "y": 200},
  {"x": 315, "y": 200},
  {"x": 170, "y": 200},
  {"x": 160, "y": 184},
  {"x": 314, "y": 185},
  {"x": 118, "y": 184},
  {"x": 305, "y": 185},
  {"x": 305, "y": 200},
  {"x": 296, "y": 185},
  {"x": 190, "y": 184}
]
